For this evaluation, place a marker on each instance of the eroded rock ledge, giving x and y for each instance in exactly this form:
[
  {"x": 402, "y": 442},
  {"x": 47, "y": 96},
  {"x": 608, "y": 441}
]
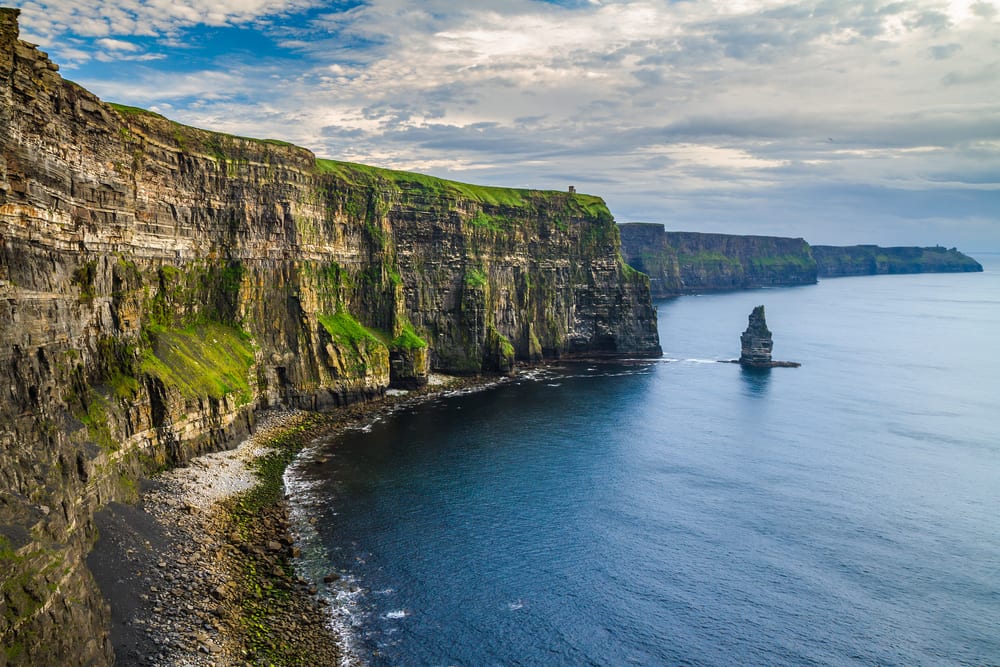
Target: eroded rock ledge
[{"x": 158, "y": 283}]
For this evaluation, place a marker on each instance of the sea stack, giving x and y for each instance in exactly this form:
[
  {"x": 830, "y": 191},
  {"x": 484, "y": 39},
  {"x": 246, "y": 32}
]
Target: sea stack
[
  {"x": 756, "y": 344},
  {"x": 756, "y": 341}
]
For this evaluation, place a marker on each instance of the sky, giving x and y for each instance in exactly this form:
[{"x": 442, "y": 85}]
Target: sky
[{"x": 871, "y": 121}]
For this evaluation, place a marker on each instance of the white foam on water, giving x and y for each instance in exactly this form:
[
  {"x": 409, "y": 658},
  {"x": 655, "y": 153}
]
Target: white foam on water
[{"x": 342, "y": 597}]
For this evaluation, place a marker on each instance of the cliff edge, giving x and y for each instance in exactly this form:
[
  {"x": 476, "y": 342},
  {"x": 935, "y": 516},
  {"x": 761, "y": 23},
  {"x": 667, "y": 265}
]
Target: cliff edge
[
  {"x": 869, "y": 260},
  {"x": 158, "y": 283},
  {"x": 688, "y": 262}
]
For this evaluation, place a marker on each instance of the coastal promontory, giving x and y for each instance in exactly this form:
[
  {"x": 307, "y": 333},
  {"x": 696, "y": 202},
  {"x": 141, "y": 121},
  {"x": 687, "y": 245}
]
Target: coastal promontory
[
  {"x": 691, "y": 262},
  {"x": 160, "y": 283}
]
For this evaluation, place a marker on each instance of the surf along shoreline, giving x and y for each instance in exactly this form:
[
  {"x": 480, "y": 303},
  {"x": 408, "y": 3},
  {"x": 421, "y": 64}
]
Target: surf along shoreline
[{"x": 201, "y": 571}]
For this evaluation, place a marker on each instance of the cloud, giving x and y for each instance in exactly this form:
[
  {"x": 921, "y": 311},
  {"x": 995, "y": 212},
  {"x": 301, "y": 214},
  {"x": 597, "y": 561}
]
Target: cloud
[
  {"x": 659, "y": 106},
  {"x": 117, "y": 44},
  {"x": 944, "y": 51},
  {"x": 986, "y": 74}
]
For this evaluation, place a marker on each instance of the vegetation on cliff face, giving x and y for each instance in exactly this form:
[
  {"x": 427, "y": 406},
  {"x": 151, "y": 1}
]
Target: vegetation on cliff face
[
  {"x": 684, "y": 262},
  {"x": 871, "y": 260},
  {"x": 408, "y": 339},
  {"x": 158, "y": 282},
  {"x": 210, "y": 360}
]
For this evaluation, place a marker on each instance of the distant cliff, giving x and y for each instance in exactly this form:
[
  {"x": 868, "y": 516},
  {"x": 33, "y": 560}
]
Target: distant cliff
[
  {"x": 863, "y": 260},
  {"x": 687, "y": 262},
  {"x": 158, "y": 283}
]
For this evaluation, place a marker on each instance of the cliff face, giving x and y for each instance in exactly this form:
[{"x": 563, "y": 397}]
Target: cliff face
[
  {"x": 158, "y": 283},
  {"x": 684, "y": 262},
  {"x": 866, "y": 260},
  {"x": 646, "y": 249}
]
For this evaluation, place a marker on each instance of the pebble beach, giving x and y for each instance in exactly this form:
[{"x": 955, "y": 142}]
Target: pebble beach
[{"x": 193, "y": 581}]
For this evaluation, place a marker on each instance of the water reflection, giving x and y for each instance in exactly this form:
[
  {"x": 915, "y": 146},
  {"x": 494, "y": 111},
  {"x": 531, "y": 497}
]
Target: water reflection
[{"x": 755, "y": 379}]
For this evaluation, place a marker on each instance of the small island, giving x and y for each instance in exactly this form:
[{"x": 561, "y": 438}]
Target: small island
[{"x": 756, "y": 344}]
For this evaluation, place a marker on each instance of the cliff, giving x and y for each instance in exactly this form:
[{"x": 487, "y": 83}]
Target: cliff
[
  {"x": 687, "y": 262},
  {"x": 866, "y": 260},
  {"x": 158, "y": 283}
]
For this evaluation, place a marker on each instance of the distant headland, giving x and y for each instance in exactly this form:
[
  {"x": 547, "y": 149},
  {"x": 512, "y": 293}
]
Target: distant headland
[{"x": 686, "y": 262}]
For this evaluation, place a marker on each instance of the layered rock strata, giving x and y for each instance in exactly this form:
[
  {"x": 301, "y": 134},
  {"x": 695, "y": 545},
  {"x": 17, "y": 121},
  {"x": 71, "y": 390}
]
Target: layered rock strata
[
  {"x": 869, "y": 260},
  {"x": 158, "y": 283},
  {"x": 689, "y": 262},
  {"x": 756, "y": 343}
]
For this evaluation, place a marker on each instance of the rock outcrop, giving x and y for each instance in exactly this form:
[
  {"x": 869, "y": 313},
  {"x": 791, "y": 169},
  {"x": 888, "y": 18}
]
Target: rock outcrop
[
  {"x": 158, "y": 283},
  {"x": 756, "y": 344},
  {"x": 689, "y": 262}
]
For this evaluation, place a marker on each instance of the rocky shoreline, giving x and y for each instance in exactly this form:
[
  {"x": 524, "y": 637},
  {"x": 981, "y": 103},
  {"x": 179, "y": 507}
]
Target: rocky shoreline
[{"x": 200, "y": 573}]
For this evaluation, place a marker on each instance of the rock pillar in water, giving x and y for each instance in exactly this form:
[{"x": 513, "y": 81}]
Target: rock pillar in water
[{"x": 756, "y": 341}]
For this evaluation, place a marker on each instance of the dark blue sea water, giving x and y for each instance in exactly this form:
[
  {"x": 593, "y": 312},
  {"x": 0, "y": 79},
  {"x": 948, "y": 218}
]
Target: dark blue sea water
[{"x": 687, "y": 512}]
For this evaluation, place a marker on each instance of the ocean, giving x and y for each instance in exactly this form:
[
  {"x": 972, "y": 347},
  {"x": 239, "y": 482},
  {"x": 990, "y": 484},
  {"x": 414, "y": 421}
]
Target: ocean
[{"x": 687, "y": 512}]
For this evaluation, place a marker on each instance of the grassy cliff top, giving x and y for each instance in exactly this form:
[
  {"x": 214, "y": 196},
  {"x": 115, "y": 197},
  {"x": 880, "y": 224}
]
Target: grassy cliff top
[
  {"x": 213, "y": 138},
  {"x": 360, "y": 174}
]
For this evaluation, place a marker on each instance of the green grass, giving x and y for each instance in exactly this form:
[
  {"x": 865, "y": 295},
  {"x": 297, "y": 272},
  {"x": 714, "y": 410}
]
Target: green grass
[
  {"x": 630, "y": 273},
  {"x": 126, "y": 110},
  {"x": 361, "y": 174},
  {"x": 475, "y": 278},
  {"x": 707, "y": 257},
  {"x": 130, "y": 111},
  {"x": 782, "y": 261},
  {"x": 408, "y": 339},
  {"x": 208, "y": 359},
  {"x": 83, "y": 277},
  {"x": 506, "y": 347},
  {"x": 6, "y": 549},
  {"x": 217, "y": 144},
  {"x": 346, "y": 330},
  {"x": 95, "y": 418},
  {"x": 494, "y": 223}
]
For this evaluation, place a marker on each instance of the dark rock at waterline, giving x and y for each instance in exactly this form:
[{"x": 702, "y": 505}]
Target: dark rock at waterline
[{"x": 756, "y": 344}]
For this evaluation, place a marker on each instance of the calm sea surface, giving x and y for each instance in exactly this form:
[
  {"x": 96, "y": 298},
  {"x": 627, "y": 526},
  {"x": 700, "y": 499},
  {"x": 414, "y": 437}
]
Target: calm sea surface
[{"x": 687, "y": 512}]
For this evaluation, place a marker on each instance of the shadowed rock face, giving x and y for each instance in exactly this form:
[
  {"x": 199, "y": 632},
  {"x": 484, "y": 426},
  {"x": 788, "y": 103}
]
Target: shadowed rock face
[
  {"x": 688, "y": 262},
  {"x": 756, "y": 343},
  {"x": 867, "y": 260},
  {"x": 158, "y": 283}
]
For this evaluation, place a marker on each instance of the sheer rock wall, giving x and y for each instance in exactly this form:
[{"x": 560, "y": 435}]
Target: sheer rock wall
[{"x": 159, "y": 283}]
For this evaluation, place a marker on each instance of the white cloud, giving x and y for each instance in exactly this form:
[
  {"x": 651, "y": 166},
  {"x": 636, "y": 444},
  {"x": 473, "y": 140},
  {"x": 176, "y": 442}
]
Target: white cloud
[
  {"x": 117, "y": 44},
  {"x": 631, "y": 100},
  {"x": 146, "y": 17}
]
